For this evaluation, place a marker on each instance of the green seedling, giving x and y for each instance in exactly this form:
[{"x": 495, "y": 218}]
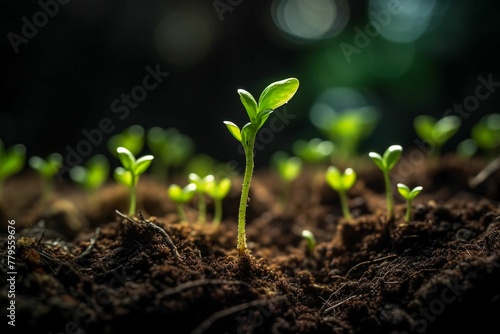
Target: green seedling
[
  {"x": 310, "y": 241},
  {"x": 128, "y": 175},
  {"x": 201, "y": 185},
  {"x": 486, "y": 134},
  {"x": 409, "y": 195},
  {"x": 386, "y": 163},
  {"x": 288, "y": 168},
  {"x": 314, "y": 151},
  {"x": 93, "y": 175},
  {"x": 181, "y": 196},
  {"x": 341, "y": 182},
  {"x": 12, "y": 161},
  {"x": 47, "y": 168},
  {"x": 218, "y": 191},
  {"x": 436, "y": 132},
  {"x": 273, "y": 96},
  {"x": 132, "y": 138},
  {"x": 171, "y": 148}
]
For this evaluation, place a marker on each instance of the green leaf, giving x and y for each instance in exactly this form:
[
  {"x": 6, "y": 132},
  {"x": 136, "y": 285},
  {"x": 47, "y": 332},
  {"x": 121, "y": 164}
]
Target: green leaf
[
  {"x": 249, "y": 103},
  {"x": 404, "y": 190},
  {"x": 424, "y": 127},
  {"x": 79, "y": 174},
  {"x": 218, "y": 190},
  {"x": 234, "y": 129},
  {"x": 334, "y": 178},
  {"x": 349, "y": 178},
  {"x": 142, "y": 164},
  {"x": 13, "y": 161},
  {"x": 126, "y": 158},
  {"x": 262, "y": 117},
  {"x": 98, "y": 171},
  {"x": 415, "y": 191},
  {"x": 123, "y": 176},
  {"x": 445, "y": 128},
  {"x": 248, "y": 131},
  {"x": 378, "y": 160},
  {"x": 277, "y": 94},
  {"x": 392, "y": 155}
]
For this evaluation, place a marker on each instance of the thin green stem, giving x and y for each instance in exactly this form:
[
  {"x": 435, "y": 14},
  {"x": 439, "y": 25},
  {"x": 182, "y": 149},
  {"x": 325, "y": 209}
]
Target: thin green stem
[
  {"x": 202, "y": 207},
  {"x": 388, "y": 194},
  {"x": 132, "y": 204},
  {"x": 343, "y": 203},
  {"x": 247, "y": 179},
  {"x": 181, "y": 212},
  {"x": 408, "y": 210},
  {"x": 218, "y": 212}
]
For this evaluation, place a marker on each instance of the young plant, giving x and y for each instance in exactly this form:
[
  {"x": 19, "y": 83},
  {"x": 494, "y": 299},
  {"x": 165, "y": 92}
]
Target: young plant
[
  {"x": 181, "y": 196},
  {"x": 93, "y": 175},
  {"x": 386, "y": 163},
  {"x": 288, "y": 168},
  {"x": 486, "y": 135},
  {"x": 132, "y": 138},
  {"x": 436, "y": 132},
  {"x": 341, "y": 182},
  {"x": 409, "y": 195},
  {"x": 313, "y": 151},
  {"x": 273, "y": 96},
  {"x": 201, "y": 188},
  {"x": 12, "y": 161},
  {"x": 310, "y": 241},
  {"x": 218, "y": 191},
  {"x": 128, "y": 175},
  {"x": 47, "y": 168}
]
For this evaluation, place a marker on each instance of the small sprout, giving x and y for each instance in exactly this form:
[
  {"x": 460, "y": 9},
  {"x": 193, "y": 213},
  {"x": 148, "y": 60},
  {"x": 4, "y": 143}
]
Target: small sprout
[
  {"x": 310, "y": 241},
  {"x": 409, "y": 195},
  {"x": 436, "y": 132},
  {"x": 47, "y": 168},
  {"x": 386, "y": 163},
  {"x": 128, "y": 175},
  {"x": 341, "y": 183},
  {"x": 132, "y": 138},
  {"x": 12, "y": 161},
  {"x": 486, "y": 134},
  {"x": 218, "y": 191},
  {"x": 314, "y": 151},
  {"x": 201, "y": 184},
  {"x": 273, "y": 96},
  {"x": 288, "y": 168},
  {"x": 93, "y": 175},
  {"x": 181, "y": 196}
]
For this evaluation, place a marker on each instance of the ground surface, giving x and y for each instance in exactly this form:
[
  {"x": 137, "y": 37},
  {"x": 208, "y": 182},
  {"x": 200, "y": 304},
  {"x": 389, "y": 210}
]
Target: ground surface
[{"x": 81, "y": 266}]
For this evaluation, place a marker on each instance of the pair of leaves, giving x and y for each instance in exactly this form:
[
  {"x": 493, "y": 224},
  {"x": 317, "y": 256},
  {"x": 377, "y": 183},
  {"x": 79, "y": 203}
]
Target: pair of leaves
[
  {"x": 12, "y": 160},
  {"x": 218, "y": 190},
  {"x": 273, "y": 96},
  {"x": 314, "y": 150},
  {"x": 47, "y": 167},
  {"x": 93, "y": 174},
  {"x": 389, "y": 159},
  {"x": 436, "y": 132},
  {"x": 181, "y": 195},
  {"x": 408, "y": 194},
  {"x": 132, "y": 168},
  {"x": 340, "y": 181},
  {"x": 288, "y": 167},
  {"x": 170, "y": 146}
]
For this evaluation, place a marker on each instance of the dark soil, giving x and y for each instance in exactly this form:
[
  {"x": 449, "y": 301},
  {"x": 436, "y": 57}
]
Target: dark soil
[{"x": 81, "y": 266}]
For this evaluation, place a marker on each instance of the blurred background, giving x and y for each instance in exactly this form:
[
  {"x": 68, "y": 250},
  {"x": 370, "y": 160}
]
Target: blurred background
[{"x": 69, "y": 65}]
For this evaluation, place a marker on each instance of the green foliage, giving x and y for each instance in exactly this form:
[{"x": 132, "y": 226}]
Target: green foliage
[
  {"x": 93, "y": 175},
  {"x": 129, "y": 174},
  {"x": 132, "y": 138},
  {"x": 218, "y": 191},
  {"x": 171, "y": 148},
  {"x": 341, "y": 182},
  {"x": 12, "y": 161},
  {"x": 386, "y": 163},
  {"x": 436, "y": 132},
  {"x": 313, "y": 151},
  {"x": 288, "y": 167},
  {"x": 181, "y": 196},
  {"x": 409, "y": 195},
  {"x": 47, "y": 168},
  {"x": 310, "y": 241},
  {"x": 273, "y": 96},
  {"x": 486, "y": 134},
  {"x": 201, "y": 189}
]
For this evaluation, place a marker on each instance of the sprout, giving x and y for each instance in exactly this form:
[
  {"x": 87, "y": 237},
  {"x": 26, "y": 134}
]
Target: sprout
[
  {"x": 288, "y": 169},
  {"x": 128, "y": 175},
  {"x": 436, "y": 132},
  {"x": 486, "y": 134},
  {"x": 218, "y": 191},
  {"x": 386, "y": 163},
  {"x": 201, "y": 184},
  {"x": 181, "y": 196},
  {"x": 47, "y": 168},
  {"x": 132, "y": 138},
  {"x": 341, "y": 183},
  {"x": 409, "y": 195},
  {"x": 93, "y": 175},
  {"x": 273, "y": 96},
  {"x": 310, "y": 241},
  {"x": 12, "y": 161},
  {"x": 313, "y": 151}
]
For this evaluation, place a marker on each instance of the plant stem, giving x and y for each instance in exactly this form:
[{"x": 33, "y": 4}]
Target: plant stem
[
  {"x": 202, "y": 207},
  {"x": 343, "y": 203},
  {"x": 218, "y": 212},
  {"x": 408, "y": 209},
  {"x": 388, "y": 194},
  {"x": 181, "y": 212},
  {"x": 131, "y": 210},
  {"x": 247, "y": 179}
]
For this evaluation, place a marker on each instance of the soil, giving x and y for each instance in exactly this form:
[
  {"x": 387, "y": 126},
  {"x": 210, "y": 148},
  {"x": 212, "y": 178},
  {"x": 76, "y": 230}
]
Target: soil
[{"x": 82, "y": 268}]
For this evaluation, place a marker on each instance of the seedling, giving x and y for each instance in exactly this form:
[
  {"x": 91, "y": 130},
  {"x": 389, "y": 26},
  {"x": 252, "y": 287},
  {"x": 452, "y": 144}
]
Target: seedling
[
  {"x": 486, "y": 134},
  {"x": 386, "y": 163},
  {"x": 93, "y": 175},
  {"x": 12, "y": 161},
  {"x": 288, "y": 168},
  {"x": 310, "y": 241},
  {"x": 409, "y": 195},
  {"x": 314, "y": 151},
  {"x": 218, "y": 191},
  {"x": 47, "y": 168},
  {"x": 436, "y": 132},
  {"x": 273, "y": 96},
  {"x": 132, "y": 138},
  {"x": 201, "y": 184},
  {"x": 128, "y": 175},
  {"x": 341, "y": 182},
  {"x": 181, "y": 196}
]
